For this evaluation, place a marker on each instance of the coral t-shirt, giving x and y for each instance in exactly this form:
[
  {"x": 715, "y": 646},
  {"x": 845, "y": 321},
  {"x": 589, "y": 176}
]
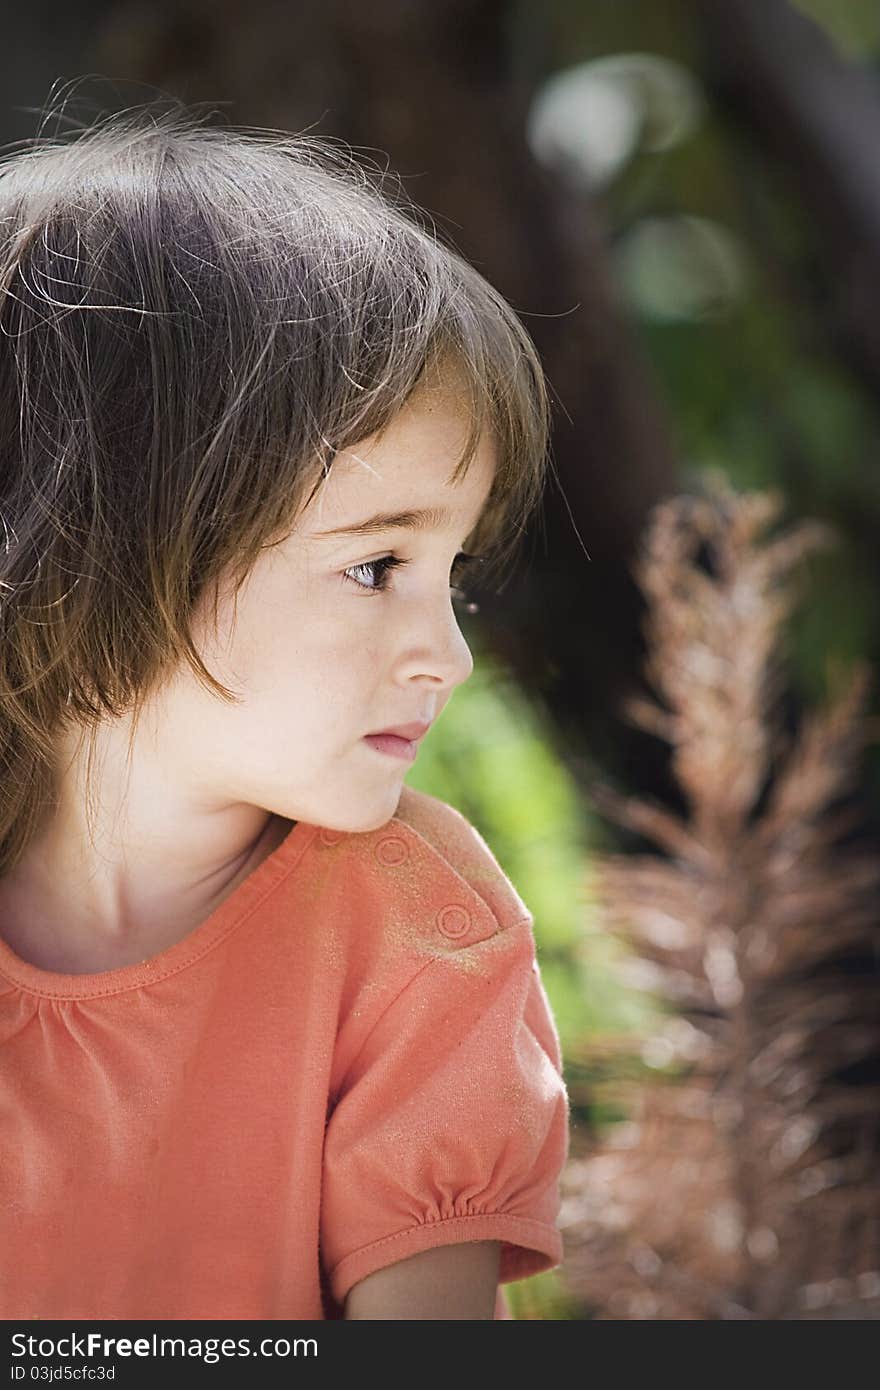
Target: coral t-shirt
[{"x": 351, "y": 1060}]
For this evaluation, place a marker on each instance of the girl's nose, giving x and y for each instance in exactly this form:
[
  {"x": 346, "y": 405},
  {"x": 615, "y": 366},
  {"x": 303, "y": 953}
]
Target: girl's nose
[{"x": 437, "y": 651}]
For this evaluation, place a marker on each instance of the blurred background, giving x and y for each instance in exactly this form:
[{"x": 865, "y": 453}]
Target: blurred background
[{"x": 670, "y": 738}]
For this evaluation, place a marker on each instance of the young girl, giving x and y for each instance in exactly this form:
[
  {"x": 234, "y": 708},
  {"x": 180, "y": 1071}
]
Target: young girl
[{"x": 273, "y": 1039}]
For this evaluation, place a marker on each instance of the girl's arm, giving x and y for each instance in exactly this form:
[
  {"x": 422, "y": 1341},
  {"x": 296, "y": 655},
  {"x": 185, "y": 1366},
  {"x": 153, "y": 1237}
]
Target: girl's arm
[{"x": 448, "y": 1281}]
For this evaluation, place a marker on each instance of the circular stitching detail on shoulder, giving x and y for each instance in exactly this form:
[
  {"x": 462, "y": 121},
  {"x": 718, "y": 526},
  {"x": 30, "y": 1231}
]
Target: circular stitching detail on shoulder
[
  {"x": 392, "y": 850},
  {"x": 330, "y": 837},
  {"x": 453, "y": 921}
]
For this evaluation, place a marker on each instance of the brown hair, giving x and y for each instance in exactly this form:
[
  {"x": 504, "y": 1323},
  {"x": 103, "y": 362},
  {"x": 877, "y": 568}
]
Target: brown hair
[{"x": 193, "y": 319}]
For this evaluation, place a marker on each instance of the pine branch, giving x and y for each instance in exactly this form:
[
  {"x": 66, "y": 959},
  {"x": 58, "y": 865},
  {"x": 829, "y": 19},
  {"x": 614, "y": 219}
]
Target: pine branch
[{"x": 759, "y": 1150}]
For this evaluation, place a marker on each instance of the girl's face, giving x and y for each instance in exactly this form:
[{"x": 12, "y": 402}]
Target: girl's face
[{"x": 331, "y": 644}]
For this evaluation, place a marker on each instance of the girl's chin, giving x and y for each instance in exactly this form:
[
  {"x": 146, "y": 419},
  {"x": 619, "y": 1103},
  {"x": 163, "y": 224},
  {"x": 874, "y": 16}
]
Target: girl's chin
[{"x": 382, "y": 809}]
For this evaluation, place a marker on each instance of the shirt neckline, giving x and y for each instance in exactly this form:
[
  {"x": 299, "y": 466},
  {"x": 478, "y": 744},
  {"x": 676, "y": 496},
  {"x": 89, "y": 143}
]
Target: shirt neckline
[{"x": 224, "y": 919}]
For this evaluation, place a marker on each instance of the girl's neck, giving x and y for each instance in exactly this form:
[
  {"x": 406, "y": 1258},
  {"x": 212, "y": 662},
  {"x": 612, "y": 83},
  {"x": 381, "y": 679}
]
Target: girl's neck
[{"x": 40, "y": 924}]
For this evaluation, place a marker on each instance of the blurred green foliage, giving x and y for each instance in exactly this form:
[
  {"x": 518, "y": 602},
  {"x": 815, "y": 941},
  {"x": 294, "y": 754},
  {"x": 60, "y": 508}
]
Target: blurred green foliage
[
  {"x": 853, "y": 25},
  {"x": 542, "y": 1298}
]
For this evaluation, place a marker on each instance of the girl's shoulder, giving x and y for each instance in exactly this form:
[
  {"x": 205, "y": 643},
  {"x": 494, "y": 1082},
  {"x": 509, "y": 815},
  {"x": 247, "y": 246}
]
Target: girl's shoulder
[
  {"x": 454, "y": 851},
  {"x": 423, "y": 914},
  {"x": 423, "y": 886}
]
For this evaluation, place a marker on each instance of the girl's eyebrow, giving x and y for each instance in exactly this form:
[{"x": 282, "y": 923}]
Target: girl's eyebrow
[{"x": 423, "y": 519}]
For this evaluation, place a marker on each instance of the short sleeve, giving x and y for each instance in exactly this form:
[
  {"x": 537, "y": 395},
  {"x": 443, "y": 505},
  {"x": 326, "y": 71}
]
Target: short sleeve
[{"x": 452, "y": 1123}]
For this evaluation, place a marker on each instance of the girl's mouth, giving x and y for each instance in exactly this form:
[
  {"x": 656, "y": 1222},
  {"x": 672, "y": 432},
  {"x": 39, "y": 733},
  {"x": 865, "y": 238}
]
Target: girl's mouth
[{"x": 393, "y": 746}]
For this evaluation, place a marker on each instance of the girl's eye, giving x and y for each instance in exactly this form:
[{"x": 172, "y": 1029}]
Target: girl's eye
[{"x": 381, "y": 568}]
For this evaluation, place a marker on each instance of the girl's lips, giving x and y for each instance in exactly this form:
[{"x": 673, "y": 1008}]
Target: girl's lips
[{"x": 393, "y": 746}]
